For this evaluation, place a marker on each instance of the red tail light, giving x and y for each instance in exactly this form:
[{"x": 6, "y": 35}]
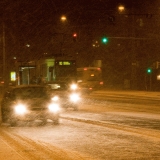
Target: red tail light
[
  {"x": 101, "y": 83},
  {"x": 2, "y": 82}
]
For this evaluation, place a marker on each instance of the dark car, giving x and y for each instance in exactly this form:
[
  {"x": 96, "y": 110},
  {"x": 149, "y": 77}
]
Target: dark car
[
  {"x": 28, "y": 103},
  {"x": 66, "y": 94}
]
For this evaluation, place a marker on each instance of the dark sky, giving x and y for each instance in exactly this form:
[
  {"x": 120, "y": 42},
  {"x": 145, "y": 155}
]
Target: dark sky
[
  {"x": 22, "y": 14},
  {"x": 29, "y": 12},
  {"x": 34, "y": 21}
]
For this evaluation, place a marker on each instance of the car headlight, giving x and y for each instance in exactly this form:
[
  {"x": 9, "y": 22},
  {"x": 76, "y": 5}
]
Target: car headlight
[
  {"x": 55, "y": 98},
  {"x": 54, "y": 107},
  {"x": 74, "y": 97},
  {"x": 73, "y": 87},
  {"x": 20, "y": 109}
]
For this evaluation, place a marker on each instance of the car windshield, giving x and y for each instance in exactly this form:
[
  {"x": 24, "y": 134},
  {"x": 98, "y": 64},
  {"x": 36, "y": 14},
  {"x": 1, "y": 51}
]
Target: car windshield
[
  {"x": 58, "y": 86},
  {"x": 31, "y": 92}
]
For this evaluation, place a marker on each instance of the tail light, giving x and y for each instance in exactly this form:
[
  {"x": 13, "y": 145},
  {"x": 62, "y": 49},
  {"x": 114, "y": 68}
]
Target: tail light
[{"x": 101, "y": 83}]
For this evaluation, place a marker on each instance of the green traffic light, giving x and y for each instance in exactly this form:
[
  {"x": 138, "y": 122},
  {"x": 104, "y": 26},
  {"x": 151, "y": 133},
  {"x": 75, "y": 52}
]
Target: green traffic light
[
  {"x": 104, "y": 40},
  {"x": 149, "y": 70}
]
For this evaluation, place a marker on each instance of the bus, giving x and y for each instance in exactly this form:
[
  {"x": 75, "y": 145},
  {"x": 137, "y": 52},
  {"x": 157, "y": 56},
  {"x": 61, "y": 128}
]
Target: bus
[
  {"x": 90, "y": 78},
  {"x": 56, "y": 69},
  {"x": 65, "y": 70}
]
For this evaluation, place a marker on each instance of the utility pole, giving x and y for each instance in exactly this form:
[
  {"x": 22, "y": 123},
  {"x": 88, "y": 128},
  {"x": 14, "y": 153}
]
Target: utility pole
[{"x": 4, "y": 54}]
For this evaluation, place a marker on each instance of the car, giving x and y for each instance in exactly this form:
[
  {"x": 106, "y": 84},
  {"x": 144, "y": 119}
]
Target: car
[
  {"x": 28, "y": 103},
  {"x": 66, "y": 94}
]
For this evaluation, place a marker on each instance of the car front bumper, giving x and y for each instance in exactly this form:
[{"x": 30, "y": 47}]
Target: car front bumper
[{"x": 35, "y": 115}]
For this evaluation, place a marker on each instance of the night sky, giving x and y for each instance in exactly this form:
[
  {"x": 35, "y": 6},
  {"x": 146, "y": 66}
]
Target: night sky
[
  {"x": 25, "y": 17},
  {"x": 37, "y": 22}
]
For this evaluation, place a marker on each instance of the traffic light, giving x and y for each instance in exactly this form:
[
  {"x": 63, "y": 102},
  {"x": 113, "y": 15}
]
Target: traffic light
[
  {"x": 104, "y": 40},
  {"x": 74, "y": 36},
  {"x": 149, "y": 70}
]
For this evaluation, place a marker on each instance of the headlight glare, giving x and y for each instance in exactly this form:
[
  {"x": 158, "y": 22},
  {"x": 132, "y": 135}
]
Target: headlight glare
[
  {"x": 55, "y": 98},
  {"x": 54, "y": 107},
  {"x": 73, "y": 86},
  {"x": 20, "y": 109},
  {"x": 74, "y": 97}
]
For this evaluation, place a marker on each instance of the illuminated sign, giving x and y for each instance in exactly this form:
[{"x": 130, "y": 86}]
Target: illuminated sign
[
  {"x": 13, "y": 76},
  {"x": 158, "y": 77},
  {"x": 66, "y": 63}
]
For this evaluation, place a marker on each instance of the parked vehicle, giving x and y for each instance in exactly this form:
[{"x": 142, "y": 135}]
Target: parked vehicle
[{"x": 28, "y": 103}]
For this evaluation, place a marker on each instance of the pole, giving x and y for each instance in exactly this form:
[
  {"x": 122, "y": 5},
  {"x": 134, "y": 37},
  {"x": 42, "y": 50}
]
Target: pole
[
  {"x": 150, "y": 82},
  {"x": 4, "y": 54}
]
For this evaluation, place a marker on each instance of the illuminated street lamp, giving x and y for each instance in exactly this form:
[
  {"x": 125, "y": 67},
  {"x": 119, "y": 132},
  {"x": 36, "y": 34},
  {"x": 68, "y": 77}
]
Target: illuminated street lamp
[
  {"x": 63, "y": 27},
  {"x": 63, "y": 18},
  {"x": 121, "y": 8}
]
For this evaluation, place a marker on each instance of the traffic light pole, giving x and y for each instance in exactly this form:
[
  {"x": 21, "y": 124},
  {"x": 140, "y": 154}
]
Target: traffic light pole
[{"x": 150, "y": 82}]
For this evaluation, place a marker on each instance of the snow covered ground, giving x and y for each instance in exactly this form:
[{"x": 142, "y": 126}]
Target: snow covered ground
[{"x": 109, "y": 130}]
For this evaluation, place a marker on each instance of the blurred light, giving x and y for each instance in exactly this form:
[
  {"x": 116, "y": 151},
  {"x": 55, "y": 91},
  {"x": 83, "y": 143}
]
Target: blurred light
[
  {"x": 74, "y": 34},
  {"x": 13, "y": 76},
  {"x": 158, "y": 77},
  {"x": 74, "y": 97},
  {"x": 63, "y": 18},
  {"x": 104, "y": 40},
  {"x": 2, "y": 82},
  {"x": 73, "y": 86},
  {"x": 101, "y": 83},
  {"x": 20, "y": 109},
  {"x": 95, "y": 44},
  {"x": 121, "y": 8},
  {"x": 149, "y": 70},
  {"x": 55, "y": 98},
  {"x": 28, "y": 45},
  {"x": 54, "y": 107},
  {"x": 74, "y": 37}
]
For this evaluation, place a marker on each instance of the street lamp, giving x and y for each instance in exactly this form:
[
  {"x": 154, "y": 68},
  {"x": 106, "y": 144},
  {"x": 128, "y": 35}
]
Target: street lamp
[
  {"x": 63, "y": 18},
  {"x": 121, "y": 8}
]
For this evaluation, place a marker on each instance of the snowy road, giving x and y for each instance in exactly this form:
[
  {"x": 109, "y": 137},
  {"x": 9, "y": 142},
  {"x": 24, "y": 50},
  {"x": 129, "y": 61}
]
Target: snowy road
[{"x": 103, "y": 130}]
